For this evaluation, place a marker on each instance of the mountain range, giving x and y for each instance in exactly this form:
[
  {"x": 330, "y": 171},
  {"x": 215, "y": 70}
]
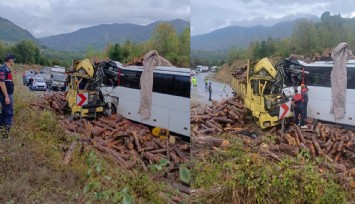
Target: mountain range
[
  {"x": 99, "y": 36},
  {"x": 241, "y": 36},
  {"x": 96, "y": 36},
  {"x": 11, "y": 33}
]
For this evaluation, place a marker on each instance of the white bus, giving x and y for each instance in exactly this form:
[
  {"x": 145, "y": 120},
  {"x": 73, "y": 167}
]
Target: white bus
[
  {"x": 317, "y": 78},
  {"x": 170, "y": 100}
]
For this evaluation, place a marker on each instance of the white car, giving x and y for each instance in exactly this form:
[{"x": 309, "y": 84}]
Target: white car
[{"x": 39, "y": 84}]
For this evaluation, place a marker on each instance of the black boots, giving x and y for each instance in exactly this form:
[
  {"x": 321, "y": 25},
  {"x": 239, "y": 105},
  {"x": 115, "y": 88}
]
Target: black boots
[{"x": 5, "y": 132}]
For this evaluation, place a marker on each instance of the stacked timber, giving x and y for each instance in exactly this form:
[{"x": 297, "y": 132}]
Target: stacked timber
[
  {"x": 227, "y": 115},
  {"x": 55, "y": 102},
  {"x": 329, "y": 141},
  {"x": 128, "y": 143}
]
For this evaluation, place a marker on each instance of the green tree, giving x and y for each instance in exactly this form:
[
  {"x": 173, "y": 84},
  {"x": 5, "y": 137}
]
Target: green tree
[
  {"x": 2, "y": 52},
  {"x": 185, "y": 42},
  {"x": 91, "y": 52},
  {"x": 26, "y": 52},
  {"x": 305, "y": 37},
  {"x": 165, "y": 41},
  {"x": 115, "y": 52}
]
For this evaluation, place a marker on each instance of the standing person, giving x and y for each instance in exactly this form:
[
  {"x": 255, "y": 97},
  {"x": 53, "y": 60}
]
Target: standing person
[
  {"x": 304, "y": 92},
  {"x": 49, "y": 83},
  {"x": 6, "y": 96},
  {"x": 30, "y": 84},
  {"x": 224, "y": 90},
  {"x": 210, "y": 91},
  {"x": 298, "y": 108},
  {"x": 206, "y": 84},
  {"x": 194, "y": 82}
]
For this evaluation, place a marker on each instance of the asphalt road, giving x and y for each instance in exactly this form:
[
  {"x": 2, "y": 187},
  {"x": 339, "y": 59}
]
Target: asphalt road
[{"x": 201, "y": 95}]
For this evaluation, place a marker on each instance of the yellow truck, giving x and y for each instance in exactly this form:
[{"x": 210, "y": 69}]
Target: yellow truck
[
  {"x": 84, "y": 99},
  {"x": 260, "y": 86}
]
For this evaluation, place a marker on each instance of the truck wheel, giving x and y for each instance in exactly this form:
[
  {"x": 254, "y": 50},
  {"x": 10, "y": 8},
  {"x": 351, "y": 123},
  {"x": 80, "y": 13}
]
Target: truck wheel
[{"x": 111, "y": 110}]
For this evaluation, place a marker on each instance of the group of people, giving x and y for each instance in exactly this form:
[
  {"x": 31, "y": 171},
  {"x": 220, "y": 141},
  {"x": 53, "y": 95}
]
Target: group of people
[
  {"x": 299, "y": 102},
  {"x": 208, "y": 87}
]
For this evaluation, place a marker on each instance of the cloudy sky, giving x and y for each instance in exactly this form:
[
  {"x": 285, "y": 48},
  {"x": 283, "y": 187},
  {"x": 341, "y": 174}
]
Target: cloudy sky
[
  {"x": 49, "y": 17},
  {"x": 208, "y": 15}
]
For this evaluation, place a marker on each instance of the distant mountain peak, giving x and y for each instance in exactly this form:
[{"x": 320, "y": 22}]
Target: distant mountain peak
[
  {"x": 100, "y": 35},
  {"x": 12, "y": 33}
]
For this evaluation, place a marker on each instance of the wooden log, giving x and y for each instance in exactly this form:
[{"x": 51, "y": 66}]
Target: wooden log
[
  {"x": 181, "y": 188},
  {"x": 317, "y": 146},
  {"x": 206, "y": 131},
  {"x": 208, "y": 141},
  {"x": 233, "y": 115},
  {"x": 337, "y": 157},
  {"x": 326, "y": 144},
  {"x": 151, "y": 157},
  {"x": 221, "y": 107},
  {"x": 180, "y": 153},
  {"x": 272, "y": 131},
  {"x": 109, "y": 151},
  {"x": 312, "y": 151},
  {"x": 334, "y": 148},
  {"x": 158, "y": 151},
  {"x": 236, "y": 110},
  {"x": 300, "y": 135},
  {"x": 69, "y": 153},
  {"x": 238, "y": 104},
  {"x": 223, "y": 120},
  {"x": 174, "y": 158},
  {"x": 148, "y": 149},
  {"x": 339, "y": 168},
  {"x": 285, "y": 148},
  {"x": 290, "y": 140},
  {"x": 329, "y": 147},
  {"x": 340, "y": 146},
  {"x": 298, "y": 142},
  {"x": 212, "y": 125},
  {"x": 136, "y": 141}
]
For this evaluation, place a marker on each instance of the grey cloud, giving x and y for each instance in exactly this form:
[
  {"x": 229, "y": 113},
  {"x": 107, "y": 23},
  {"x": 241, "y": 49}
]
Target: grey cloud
[
  {"x": 256, "y": 12},
  {"x": 67, "y": 16}
]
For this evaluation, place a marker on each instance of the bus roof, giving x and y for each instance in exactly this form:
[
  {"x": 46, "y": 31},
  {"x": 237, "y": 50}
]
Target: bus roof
[
  {"x": 160, "y": 69},
  {"x": 350, "y": 63}
]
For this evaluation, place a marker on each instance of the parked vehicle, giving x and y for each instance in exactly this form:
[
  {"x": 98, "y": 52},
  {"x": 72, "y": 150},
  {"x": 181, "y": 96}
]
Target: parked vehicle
[
  {"x": 39, "y": 84},
  {"x": 201, "y": 68},
  {"x": 214, "y": 69},
  {"x": 26, "y": 77},
  {"x": 58, "y": 76}
]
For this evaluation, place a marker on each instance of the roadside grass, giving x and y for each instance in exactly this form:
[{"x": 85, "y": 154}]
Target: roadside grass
[
  {"x": 32, "y": 169},
  {"x": 236, "y": 175}
]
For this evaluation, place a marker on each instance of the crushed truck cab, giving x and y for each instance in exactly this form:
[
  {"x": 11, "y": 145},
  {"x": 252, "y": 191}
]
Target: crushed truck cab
[
  {"x": 260, "y": 86},
  {"x": 84, "y": 100}
]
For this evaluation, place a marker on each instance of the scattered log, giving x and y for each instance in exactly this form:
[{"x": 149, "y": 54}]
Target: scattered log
[
  {"x": 69, "y": 153},
  {"x": 208, "y": 141}
]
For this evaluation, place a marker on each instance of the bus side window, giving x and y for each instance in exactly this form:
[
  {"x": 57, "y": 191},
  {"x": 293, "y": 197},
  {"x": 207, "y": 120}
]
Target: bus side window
[
  {"x": 163, "y": 83},
  {"x": 351, "y": 78},
  {"x": 318, "y": 76},
  {"x": 182, "y": 86}
]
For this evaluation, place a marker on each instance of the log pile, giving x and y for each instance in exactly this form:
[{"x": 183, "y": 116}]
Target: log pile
[
  {"x": 55, "y": 102},
  {"x": 226, "y": 116},
  {"x": 130, "y": 144},
  {"x": 137, "y": 61},
  {"x": 328, "y": 141},
  {"x": 240, "y": 73}
]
